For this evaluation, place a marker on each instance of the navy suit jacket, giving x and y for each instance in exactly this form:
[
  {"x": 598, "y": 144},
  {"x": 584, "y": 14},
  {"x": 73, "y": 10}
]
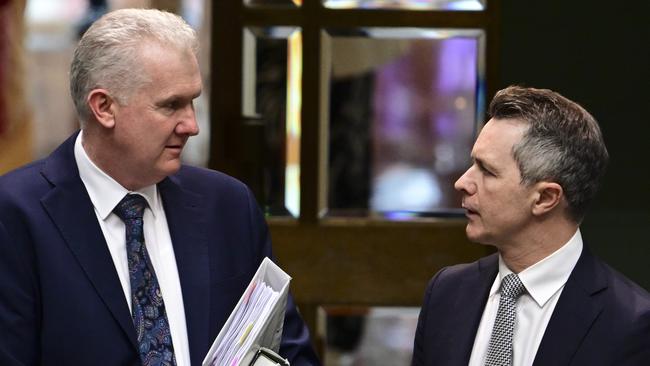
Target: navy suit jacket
[
  {"x": 61, "y": 302},
  {"x": 601, "y": 318}
]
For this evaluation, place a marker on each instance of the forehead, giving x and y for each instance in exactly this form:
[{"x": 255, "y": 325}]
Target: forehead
[
  {"x": 497, "y": 138},
  {"x": 170, "y": 70}
]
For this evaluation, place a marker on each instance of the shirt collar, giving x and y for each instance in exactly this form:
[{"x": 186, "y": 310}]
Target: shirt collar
[
  {"x": 546, "y": 277},
  {"x": 105, "y": 192}
]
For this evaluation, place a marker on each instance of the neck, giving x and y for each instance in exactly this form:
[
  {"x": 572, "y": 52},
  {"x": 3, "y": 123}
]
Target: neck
[
  {"x": 538, "y": 244},
  {"x": 96, "y": 147}
]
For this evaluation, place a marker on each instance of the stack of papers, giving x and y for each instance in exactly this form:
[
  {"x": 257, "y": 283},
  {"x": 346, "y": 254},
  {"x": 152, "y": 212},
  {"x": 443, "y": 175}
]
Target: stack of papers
[
  {"x": 257, "y": 305},
  {"x": 255, "y": 322}
]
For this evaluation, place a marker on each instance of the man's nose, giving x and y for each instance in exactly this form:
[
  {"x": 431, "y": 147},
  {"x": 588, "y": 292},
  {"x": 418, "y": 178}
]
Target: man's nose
[
  {"x": 188, "y": 124},
  {"x": 463, "y": 184}
]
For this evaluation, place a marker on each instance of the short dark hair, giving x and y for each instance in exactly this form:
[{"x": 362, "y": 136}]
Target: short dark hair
[{"x": 563, "y": 143}]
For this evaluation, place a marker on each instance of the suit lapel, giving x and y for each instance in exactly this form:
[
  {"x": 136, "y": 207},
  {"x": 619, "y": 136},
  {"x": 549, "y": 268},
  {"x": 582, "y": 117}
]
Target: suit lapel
[
  {"x": 487, "y": 271},
  {"x": 71, "y": 210},
  {"x": 187, "y": 221},
  {"x": 462, "y": 316},
  {"x": 575, "y": 312}
]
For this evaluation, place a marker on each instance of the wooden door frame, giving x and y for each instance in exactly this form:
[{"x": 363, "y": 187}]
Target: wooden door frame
[{"x": 359, "y": 261}]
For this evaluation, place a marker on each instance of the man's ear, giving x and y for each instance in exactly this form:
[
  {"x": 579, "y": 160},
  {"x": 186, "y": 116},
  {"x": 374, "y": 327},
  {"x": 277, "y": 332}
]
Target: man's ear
[
  {"x": 102, "y": 106},
  {"x": 548, "y": 196}
]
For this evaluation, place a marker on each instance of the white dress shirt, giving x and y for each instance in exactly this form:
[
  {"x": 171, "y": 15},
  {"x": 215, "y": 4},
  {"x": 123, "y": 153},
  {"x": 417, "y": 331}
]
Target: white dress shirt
[
  {"x": 544, "y": 282},
  {"x": 105, "y": 193}
]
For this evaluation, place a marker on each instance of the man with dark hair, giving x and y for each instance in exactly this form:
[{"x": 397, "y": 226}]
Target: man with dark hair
[
  {"x": 543, "y": 299},
  {"x": 112, "y": 252}
]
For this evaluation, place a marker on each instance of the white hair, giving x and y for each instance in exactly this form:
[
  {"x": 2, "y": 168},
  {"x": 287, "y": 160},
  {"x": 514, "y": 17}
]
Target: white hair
[{"x": 107, "y": 54}]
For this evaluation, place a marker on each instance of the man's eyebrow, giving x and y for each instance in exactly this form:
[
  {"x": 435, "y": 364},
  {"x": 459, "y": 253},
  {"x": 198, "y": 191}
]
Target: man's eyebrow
[
  {"x": 484, "y": 164},
  {"x": 177, "y": 97}
]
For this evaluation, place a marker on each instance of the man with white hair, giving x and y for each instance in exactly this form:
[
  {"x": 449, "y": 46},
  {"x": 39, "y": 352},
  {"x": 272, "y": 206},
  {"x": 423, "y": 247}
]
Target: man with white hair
[{"x": 111, "y": 251}]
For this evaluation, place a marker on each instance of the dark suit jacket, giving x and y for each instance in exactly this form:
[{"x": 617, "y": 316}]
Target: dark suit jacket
[
  {"x": 601, "y": 318},
  {"x": 61, "y": 302}
]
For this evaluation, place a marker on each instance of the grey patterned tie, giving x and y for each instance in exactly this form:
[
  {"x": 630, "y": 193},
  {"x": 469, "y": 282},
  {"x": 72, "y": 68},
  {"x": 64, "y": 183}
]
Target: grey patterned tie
[{"x": 500, "y": 348}]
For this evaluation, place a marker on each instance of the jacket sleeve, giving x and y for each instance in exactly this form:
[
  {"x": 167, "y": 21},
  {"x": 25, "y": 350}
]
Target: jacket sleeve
[
  {"x": 19, "y": 304},
  {"x": 637, "y": 342}
]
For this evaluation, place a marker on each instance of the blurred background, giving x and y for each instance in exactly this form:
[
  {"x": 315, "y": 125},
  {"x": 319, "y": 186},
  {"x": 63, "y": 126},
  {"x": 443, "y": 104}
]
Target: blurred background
[{"x": 351, "y": 119}]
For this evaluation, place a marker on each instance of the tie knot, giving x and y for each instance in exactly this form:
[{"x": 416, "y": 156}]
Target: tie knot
[
  {"x": 130, "y": 207},
  {"x": 511, "y": 286}
]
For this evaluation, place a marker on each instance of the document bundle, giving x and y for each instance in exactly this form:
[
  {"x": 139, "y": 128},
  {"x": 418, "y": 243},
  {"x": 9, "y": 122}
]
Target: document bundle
[{"x": 256, "y": 322}]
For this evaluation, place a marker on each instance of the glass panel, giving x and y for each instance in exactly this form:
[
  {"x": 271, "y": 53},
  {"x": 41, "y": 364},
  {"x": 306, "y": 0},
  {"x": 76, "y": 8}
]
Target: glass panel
[
  {"x": 367, "y": 335},
  {"x": 407, "y": 4},
  {"x": 272, "y": 79},
  {"x": 273, "y": 3},
  {"x": 403, "y": 109}
]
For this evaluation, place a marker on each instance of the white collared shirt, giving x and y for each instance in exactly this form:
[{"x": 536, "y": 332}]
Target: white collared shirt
[
  {"x": 544, "y": 282},
  {"x": 105, "y": 193}
]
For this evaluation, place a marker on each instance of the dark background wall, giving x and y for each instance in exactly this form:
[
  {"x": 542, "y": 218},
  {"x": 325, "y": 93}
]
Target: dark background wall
[{"x": 596, "y": 53}]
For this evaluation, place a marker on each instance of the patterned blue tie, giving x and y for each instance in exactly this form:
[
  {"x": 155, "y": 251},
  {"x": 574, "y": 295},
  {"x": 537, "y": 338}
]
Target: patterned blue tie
[{"x": 148, "y": 309}]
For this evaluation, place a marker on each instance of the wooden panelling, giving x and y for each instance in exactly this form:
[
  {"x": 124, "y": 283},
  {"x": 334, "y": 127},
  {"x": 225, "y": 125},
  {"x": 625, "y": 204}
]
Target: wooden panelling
[{"x": 368, "y": 263}]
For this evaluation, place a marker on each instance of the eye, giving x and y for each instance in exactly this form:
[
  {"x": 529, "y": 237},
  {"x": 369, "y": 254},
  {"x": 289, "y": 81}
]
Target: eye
[{"x": 485, "y": 170}]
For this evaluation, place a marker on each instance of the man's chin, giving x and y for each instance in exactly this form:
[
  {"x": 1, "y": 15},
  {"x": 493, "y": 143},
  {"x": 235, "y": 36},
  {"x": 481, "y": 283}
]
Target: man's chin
[
  {"x": 170, "y": 167},
  {"x": 476, "y": 236}
]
